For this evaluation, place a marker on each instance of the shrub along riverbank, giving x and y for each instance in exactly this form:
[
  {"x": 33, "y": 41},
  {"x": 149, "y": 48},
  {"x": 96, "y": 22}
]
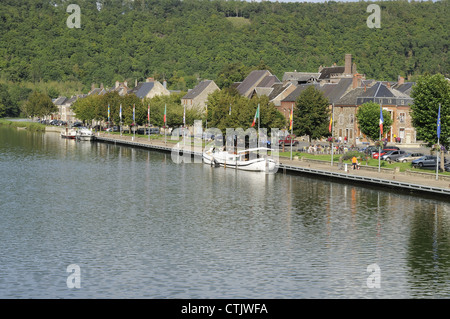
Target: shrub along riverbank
[{"x": 30, "y": 126}]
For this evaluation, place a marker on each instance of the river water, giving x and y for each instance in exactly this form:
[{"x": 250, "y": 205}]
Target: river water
[{"x": 137, "y": 225}]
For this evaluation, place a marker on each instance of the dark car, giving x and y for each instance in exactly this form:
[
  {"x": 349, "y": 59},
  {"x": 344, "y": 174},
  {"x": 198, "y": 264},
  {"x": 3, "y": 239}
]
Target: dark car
[{"x": 426, "y": 161}]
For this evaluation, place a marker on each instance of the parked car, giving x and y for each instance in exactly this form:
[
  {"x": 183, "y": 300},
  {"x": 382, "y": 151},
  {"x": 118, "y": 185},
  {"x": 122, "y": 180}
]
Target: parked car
[
  {"x": 426, "y": 161},
  {"x": 384, "y": 151},
  {"x": 393, "y": 155},
  {"x": 369, "y": 150},
  {"x": 409, "y": 157},
  {"x": 288, "y": 141}
]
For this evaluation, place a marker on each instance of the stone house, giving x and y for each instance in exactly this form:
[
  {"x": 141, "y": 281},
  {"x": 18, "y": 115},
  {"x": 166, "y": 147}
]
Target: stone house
[
  {"x": 149, "y": 89},
  {"x": 197, "y": 97},
  {"x": 64, "y": 106},
  {"x": 394, "y": 101}
]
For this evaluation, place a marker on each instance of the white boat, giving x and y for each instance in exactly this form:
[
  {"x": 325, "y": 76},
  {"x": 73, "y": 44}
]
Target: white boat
[
  {"x": 84, "y": 134},
  {"x": 253, "y": 159},
  {"x": 70, "y": 133}
]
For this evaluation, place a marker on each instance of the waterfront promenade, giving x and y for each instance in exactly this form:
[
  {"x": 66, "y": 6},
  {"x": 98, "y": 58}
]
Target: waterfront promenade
[{"x": 415, "y": 181}]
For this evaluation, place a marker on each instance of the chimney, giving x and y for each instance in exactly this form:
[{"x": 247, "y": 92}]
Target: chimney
[
  {"x": 117, "y": 84},
  {"x": 125, "y": 84},
  {"x": 348, "y": 64},
  {"x": 101, "y": 86},
  {"x": 356, "y": 80},
  {"x": 92, "y": 87},
  {"x": 401, "y": 80},
  {"x": 165, "y": 84},
  {"x": 149, "y": 80},
  {"x": 135, "y": 83}
]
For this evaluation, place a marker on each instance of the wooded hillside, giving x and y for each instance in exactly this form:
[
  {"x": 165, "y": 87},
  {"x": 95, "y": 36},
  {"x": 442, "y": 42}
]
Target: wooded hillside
[{"x": 184, "y": 41}]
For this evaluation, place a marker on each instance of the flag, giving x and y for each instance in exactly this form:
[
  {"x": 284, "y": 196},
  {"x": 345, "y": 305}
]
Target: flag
[
  {"x": 165, "y": 106},
  {"x": 381, "y": 121},
  {"x": 330, "y": 127},
  {"x": 291, "y": 117},
  {"x": 148, "y": 113},
  {"x": 229, "y": 112},
  {"x": 256, "y": 116},
  {"x": 120, "y": 112},
  {"x": 184, "y": 116},
  {"x": 109, "y": 112},
  {"x": 134, "y": 112},
  {"x": 439, "y": 123}
]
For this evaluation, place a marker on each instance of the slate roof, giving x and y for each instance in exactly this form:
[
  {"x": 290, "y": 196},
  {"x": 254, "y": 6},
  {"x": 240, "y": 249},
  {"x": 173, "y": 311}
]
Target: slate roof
[
  {"x": 268, "y": 81},
  {"x": 197, "y": 90},
  {"x": 60, "y": 100},
  {"x": 405, "y": 87},
  {"x": 292, "y": 97},
  {"x": 339, "y": 90},
  {"x": 142, "y": 89},
  {"x": 251, "y": 80},
  {"x": 71, "y": 100},
  {"x": 326, "y": 72},
  {"x": 95, "y": 91},
  {"x": 299, "y": 76},
  {"x": 379, "y": 93},
  {"x": 278, "y": 88},
  {"x": 351, "y": 97}
]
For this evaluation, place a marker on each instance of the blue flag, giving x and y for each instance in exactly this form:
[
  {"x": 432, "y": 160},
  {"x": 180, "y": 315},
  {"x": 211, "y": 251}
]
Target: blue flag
[{"x": 439, "y": 123}]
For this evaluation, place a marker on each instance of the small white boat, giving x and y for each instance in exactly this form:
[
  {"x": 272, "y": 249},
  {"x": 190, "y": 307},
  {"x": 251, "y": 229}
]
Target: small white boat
[
  {"x": 84, "y": 134},
  {"x": 70, "y": 133},
  {"x": 253, "y": 159}
]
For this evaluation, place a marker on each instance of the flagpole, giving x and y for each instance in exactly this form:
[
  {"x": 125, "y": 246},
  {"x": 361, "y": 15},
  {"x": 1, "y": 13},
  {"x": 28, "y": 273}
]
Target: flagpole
[
  {"x": 120, "y": 115},
  {"x": 259, "y": 117},
  {"x": 291, "y": 124},
  {"x": 165, "y": 121},
  {"x": 379, "y": 145},
  {"x": 332, "y": 131},
  {"x": 438, "y": 136},
  {"x": 134, "y": 124},
  {"x": 149, "y": 122}
]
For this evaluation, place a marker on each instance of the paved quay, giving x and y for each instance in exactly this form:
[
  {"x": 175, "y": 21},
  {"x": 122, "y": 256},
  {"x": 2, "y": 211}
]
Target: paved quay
[{"x": 425, "y": 183}]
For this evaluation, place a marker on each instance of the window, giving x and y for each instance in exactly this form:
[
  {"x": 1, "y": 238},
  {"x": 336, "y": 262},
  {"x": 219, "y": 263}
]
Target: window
[{"x": 402, "y": 117}]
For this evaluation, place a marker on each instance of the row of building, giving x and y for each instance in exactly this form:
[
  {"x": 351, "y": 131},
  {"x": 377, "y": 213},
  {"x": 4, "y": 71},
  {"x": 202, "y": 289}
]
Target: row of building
[{"x": 345, "y": 88}]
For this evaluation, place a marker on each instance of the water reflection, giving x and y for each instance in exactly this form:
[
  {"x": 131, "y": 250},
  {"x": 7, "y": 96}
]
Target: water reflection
[
  {"x": 428, "y": 251},
  {"x": 141, "y": 226}
]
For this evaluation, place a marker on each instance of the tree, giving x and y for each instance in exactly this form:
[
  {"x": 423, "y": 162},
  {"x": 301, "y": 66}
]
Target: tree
[
  {"x": 429, "y": 92},
  {"x": 38, "y": 104},
  {"x": 368, "y": 116},
  {"x": 228, "y": 109},
  {"x": 311, "y": 114}
]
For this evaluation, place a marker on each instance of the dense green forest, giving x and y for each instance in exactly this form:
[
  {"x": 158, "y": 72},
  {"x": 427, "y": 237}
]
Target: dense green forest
[{"x": 184, "y": 41}]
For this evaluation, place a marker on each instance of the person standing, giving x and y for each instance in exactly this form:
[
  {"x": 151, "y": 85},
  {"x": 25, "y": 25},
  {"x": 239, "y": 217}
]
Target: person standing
[{"x": 354, "y": 162}]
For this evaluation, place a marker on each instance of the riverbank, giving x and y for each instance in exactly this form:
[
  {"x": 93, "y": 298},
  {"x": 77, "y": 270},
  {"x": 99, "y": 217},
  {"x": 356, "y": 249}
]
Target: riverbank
[
  {"x": 31, "y": 126},
  {"x": 421, "y": 182}
]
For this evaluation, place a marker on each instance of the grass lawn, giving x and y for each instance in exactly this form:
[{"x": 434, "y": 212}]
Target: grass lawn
[{"x": 372, "y": 162}]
